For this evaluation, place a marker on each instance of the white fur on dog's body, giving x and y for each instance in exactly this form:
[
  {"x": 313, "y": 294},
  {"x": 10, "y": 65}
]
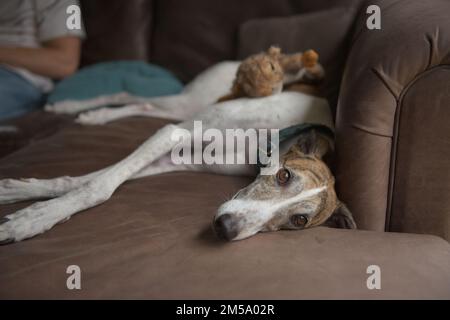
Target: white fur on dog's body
[{"x": 74, "y": 194}]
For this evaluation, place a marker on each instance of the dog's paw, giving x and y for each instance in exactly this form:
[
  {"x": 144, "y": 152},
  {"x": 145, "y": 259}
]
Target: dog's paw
[
  {"x": 95, "y": 117},
  {"x": 13, "y": 228},
  {"x": 50, "y": 108},
  {"x": 5, "y": 235},
  {"x": 14, "y": 190},
  {"x": 63, "y": 108},
  {"x": 30, "y": 221}
]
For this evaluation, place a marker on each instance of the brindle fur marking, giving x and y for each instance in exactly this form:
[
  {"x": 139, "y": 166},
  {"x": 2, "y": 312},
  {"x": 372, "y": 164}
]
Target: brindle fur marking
[{"x": 308, "y": 172}]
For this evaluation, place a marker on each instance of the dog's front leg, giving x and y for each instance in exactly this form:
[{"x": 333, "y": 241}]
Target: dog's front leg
[
  {"x": 42, "y": 216},
  {"x": 105, "y": 115},
  {"x": 15, "y": 190}
]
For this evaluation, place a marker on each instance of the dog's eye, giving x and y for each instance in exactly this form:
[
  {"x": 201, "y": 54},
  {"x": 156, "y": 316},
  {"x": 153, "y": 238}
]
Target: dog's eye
[
  {"x": 283, "y": 176},
  {"x": 272, "y": 66},
  {"x": 299, "y": 220}
]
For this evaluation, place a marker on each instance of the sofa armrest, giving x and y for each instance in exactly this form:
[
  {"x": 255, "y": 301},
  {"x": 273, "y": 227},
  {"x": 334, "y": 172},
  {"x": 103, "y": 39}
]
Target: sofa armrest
[{"x": 392, "y": 120}]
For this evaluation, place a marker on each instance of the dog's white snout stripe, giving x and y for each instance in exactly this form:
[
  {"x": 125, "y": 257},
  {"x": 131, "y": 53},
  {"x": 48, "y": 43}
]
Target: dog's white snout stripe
[
  {"x": 302, "y": 196},
  {"x": 239, "y": 205},
  {"x": 253, "y": 214}
]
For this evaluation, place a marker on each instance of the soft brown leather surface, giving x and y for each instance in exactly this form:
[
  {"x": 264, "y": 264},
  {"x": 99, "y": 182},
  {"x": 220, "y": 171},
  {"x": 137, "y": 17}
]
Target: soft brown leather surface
[
  {"x": 420, "y": 174},
  {"x": 380, "y": 69},
  {"x": 30, "y": 128},
  {"x": 326, "y": 31},
  {"x": 153, "y": 239}
]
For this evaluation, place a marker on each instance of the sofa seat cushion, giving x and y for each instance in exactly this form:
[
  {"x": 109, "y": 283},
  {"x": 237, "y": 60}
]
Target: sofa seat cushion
[
  {"x": 29, "y": 128},
  {"x": 153, "y": 238}
]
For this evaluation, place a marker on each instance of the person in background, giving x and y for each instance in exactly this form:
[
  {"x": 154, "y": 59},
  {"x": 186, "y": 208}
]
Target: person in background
[{"x": 36, "y": 47}]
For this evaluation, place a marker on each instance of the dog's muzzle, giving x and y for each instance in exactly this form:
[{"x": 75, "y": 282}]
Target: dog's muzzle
[{"x": 225, "y": 227}]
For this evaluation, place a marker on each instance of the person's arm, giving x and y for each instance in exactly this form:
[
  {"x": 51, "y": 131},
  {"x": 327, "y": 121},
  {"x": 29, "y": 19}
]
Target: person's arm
[{"x": 57, "y": 58}]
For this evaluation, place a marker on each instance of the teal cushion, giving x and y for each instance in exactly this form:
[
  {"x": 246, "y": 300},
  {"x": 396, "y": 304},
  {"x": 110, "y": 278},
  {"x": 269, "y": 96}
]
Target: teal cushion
[{"x": 137, "y": 78}]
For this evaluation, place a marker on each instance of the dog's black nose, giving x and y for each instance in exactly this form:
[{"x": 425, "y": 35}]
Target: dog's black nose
[{"x": 225, "y": 227}]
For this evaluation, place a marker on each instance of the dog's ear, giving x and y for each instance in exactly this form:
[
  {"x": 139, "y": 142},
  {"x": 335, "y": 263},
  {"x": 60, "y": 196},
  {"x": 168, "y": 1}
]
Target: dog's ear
[
  {"x": 315, "y": 143},
  {"x": 341, "y": 218}
]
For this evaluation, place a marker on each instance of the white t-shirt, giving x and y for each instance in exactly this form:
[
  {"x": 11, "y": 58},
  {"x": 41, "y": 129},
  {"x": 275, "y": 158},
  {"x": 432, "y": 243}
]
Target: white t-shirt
[{"x": 28, "y": 23}]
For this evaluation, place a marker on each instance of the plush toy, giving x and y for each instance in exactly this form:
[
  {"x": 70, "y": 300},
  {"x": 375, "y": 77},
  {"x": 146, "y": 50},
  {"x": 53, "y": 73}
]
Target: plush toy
[{"x": 265, "y": 73}]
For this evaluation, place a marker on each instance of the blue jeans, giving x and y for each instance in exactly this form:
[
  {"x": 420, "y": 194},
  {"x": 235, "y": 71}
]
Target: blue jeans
[{"x": 17, "y": 95}]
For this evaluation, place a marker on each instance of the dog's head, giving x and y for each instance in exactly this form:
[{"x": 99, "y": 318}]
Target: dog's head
[{"x": 300, "y": 195}]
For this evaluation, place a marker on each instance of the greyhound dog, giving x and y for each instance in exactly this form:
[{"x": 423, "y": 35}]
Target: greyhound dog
[{"x": 299, "y": 194}]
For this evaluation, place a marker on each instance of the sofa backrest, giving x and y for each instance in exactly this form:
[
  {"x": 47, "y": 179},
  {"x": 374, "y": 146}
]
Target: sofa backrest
[
  {"x": 184, "y": 36},
  {"x": 116, "y": 30}
]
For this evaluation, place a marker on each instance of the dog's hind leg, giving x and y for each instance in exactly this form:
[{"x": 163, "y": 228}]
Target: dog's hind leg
[
  {"x": 42, "y": 216},
  {"x": 199, "y": 94},
  {"x": 176, "y": 107},
  {"x": 105, "y": 115},
  {"x": 16, "y": 190}
]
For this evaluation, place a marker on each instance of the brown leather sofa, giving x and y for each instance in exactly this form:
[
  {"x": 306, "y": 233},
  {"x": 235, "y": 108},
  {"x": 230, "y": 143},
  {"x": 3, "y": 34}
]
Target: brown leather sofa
[{"x": 153, "y": 238}]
